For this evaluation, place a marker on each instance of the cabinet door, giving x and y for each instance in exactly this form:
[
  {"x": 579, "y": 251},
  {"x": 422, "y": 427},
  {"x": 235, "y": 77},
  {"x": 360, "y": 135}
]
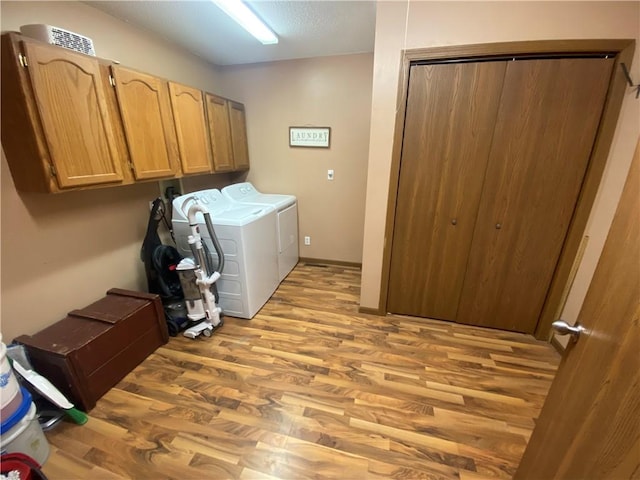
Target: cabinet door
[
  {"x": 219, "y": 132},
  {"x": 78, "y": 128},
  {"x": 239, "y": 136},
  {"x": 148, "y": 123},
  {"x": 548, "y": 117},
  {"x": 451, "y": 111},
  {"x": 193, "y": 140}
]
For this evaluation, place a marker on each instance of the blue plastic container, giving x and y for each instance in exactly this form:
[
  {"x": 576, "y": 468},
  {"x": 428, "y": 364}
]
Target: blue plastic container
[{"x": 21, "y": 432}]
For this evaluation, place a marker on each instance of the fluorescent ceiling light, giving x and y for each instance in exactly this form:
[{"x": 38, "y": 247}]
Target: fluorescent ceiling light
[{"x": 248, "y": 20}]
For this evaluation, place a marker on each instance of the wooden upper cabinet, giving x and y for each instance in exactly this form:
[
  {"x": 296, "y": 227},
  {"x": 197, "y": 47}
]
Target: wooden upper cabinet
[
  {"x": 148, "y": 123},
  {"x": 64, "y": 116},
  {"x": 239, "y": 136},
  {"x": 191, "y": 129},
  {"x": 73, "y": 121},
  {"x": 219, "y": 132}
]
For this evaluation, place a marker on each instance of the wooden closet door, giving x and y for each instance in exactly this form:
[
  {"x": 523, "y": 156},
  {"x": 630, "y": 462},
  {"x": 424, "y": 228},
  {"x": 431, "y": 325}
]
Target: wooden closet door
[
  {"x": 451, "y": 112},
  {"x": 547, "y": 121}
]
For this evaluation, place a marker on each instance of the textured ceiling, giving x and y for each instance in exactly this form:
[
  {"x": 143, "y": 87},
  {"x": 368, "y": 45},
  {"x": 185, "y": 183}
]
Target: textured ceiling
[{"x": 305, "y": 28}]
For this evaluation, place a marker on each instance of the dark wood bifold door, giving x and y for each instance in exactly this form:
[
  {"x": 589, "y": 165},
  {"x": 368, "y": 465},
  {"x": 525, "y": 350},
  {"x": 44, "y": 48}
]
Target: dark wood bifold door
[
  {"x": 451, "y": 113},
  {"x": 494, "y": 154}
]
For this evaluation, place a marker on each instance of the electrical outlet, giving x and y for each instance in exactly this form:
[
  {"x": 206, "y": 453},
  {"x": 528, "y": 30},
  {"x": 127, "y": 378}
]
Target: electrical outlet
[
  {"x": 307, "y": 240},
  {"x": 329, "y": 174}
]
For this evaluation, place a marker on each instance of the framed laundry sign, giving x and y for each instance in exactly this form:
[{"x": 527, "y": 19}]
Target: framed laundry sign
[{"x": 315, "y": 137}]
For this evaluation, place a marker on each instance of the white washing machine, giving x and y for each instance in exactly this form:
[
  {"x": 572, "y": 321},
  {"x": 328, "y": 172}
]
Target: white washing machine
[
  {"x": 287, "y": 220},
  {"x": 248, "y": 237}
]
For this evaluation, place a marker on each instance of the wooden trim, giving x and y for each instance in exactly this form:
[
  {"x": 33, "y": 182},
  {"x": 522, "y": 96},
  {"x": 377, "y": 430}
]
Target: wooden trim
[
  {"x": 371, "y": 311},
  {"x": 622, "y": 48},
  {"x": 517, "y": 48},
  {"x": 577, "y": 260},
  {"x": 394, "y": 177},
  {"x": 555, "y": 343},
  {"x": 590, "y": 185},
  {"x": 322, "y": 261}
]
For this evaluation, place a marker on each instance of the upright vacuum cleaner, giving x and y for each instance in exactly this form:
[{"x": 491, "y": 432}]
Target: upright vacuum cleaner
[
  {"x": 160, "y": 262},
  {"x": 196, "y": 279}
]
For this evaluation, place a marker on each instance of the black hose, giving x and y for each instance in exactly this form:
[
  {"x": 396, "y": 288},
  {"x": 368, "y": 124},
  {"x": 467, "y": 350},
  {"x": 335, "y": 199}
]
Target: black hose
[{"x": 215, "y": 241}]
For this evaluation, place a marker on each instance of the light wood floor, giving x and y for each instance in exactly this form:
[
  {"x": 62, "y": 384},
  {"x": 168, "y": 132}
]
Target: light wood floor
[{"x": 310, "y": 388}]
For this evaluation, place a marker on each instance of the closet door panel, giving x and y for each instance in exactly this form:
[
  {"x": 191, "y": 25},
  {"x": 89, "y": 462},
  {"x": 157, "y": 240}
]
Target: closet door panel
[
  {"x": 451, "y": 111},
  {"x": 547, "y": 121}
]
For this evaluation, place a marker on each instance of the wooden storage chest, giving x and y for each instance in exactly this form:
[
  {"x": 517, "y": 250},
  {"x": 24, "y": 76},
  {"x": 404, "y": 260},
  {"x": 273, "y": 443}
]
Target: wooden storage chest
[{"x": 92, "y": 349}]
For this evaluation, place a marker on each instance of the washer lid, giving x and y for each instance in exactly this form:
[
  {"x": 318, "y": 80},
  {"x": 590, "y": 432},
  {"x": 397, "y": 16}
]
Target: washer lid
[
  {"x": 242, "y": 214},
  {"x": 246, "y": 193}
]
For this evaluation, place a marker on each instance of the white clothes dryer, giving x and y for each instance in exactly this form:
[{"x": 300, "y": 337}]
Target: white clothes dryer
[
  {"x": 287, "y": 220},
  {"x": 248, "y": 237}
]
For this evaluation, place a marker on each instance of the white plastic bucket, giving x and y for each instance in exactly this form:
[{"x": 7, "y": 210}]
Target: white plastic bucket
[
  {"x": 10, "y": 395},
  {"x": 22, "y": 433}
]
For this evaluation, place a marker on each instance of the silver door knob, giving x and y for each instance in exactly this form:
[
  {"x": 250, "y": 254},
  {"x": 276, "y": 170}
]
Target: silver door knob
[
  {"x": 563, "y": 328},
  {"x": 498, "y": 226}
]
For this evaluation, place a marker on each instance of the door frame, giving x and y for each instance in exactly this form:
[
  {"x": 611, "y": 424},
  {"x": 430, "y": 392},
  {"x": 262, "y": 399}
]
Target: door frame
[{"x": 622, "y": 50}]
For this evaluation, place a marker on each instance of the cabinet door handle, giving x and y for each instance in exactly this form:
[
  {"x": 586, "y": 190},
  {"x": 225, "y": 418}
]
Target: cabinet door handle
[
  {"x": 498, "y": 226},
  {"x": 454, "y": 221}
]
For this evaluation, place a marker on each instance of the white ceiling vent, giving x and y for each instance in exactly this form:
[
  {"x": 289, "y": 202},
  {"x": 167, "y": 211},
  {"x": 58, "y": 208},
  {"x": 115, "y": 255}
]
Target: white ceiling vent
[{"x": 60, "y": 37}]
